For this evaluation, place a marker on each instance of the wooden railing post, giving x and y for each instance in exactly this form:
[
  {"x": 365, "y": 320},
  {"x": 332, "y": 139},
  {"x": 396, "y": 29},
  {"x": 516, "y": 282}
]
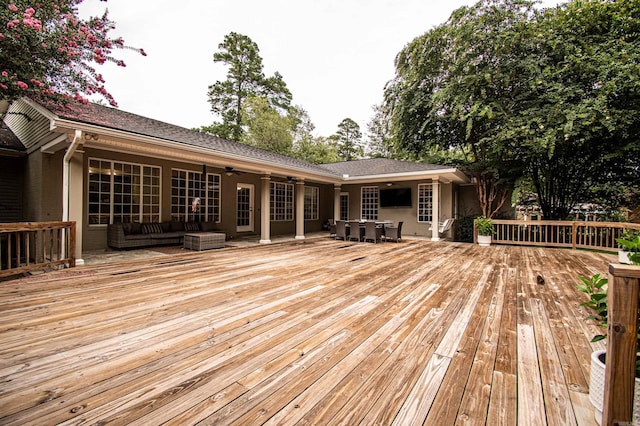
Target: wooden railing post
[
  {"x": 72, "y": 245},
  {"x": 622, "y": 299}
]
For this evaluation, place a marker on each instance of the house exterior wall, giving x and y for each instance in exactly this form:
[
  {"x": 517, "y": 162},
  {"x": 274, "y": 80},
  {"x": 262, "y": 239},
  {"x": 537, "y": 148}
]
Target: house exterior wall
[
  {"x": 408, "y": 215},
  {"x": 95, "y": 236}
]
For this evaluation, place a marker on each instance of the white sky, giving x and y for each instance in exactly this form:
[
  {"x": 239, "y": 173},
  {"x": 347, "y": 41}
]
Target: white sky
[{"x": 334, "y": 55}]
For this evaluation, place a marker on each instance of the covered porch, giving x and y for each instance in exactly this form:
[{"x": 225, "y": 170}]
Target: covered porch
[{"x": 306, "y": 332}]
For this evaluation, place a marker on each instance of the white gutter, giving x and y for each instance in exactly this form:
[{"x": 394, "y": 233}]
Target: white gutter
[{"x": 77, "y": 139}]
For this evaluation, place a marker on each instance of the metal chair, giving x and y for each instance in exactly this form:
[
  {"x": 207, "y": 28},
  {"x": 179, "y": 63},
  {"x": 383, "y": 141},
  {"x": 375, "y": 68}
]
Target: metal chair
[{"x": 393, "y": 233}]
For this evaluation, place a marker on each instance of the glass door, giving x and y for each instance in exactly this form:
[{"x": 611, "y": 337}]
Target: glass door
[{"x": 244, "y": 202}]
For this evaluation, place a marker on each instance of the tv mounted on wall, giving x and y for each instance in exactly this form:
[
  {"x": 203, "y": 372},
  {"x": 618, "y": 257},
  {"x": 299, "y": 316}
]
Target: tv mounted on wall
[{"x": 395, "y": 197}]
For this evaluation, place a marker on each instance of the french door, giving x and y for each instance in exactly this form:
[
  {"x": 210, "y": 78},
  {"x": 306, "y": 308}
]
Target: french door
[{"x": 244, "y": 208}]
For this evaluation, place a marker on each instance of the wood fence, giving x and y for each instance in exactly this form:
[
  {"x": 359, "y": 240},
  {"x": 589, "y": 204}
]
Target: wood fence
[
  {"x": 556, "y": 233},
  {"x": 32, "y": 246}
]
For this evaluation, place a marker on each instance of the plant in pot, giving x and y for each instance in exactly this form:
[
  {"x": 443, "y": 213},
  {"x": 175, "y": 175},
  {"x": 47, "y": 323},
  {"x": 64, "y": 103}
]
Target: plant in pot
[
  {"x": 484, "y": 225},
  {"x": 596, "y": 288},
  {"x": 629, "y": 244}
]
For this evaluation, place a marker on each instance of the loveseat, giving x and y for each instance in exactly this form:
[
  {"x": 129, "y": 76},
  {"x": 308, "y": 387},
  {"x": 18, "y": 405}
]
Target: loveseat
[{"x": 134, "y": 235}]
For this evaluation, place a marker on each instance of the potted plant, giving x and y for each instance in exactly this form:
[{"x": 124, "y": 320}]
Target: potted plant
[
  {"x": 629, "y": 244},
  {"x": 484, "y": 225},
  {"x": 596, "y": 288}
]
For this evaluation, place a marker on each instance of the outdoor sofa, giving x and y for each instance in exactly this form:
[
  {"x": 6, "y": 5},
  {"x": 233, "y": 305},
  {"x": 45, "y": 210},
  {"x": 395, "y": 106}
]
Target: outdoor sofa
[{"x": 134, "y": 235}]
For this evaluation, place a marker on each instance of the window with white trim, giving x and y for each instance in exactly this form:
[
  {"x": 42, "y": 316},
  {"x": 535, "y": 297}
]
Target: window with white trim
[
  {"x": 425, "y": 202},
  {"x": 192, "y": 198},
  {"x": 344, "y": 206},
  {"x": 369, "y": 203},
  {"x": 311, "y": 202},
  {"x": 120, "y": 192},
  {"x": 281, "y": 201}
]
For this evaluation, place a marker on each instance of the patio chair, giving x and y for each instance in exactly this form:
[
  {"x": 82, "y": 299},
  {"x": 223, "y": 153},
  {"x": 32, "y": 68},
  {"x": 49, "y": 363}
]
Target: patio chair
[
  {"x": 332, "y": 228},
  {"x": 341, "y": 230},
  {"x": 393, "y": 233},
  {"x": 443, "y": 226},
  {"x": 354, "y": 230},
  {"x": 372, "y": 232}
]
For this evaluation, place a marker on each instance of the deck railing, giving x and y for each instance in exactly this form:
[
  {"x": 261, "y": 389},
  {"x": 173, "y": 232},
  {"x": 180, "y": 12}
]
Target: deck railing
[
  {"x": 31, "y": 246},
  {"x": 556, "y": 233}
]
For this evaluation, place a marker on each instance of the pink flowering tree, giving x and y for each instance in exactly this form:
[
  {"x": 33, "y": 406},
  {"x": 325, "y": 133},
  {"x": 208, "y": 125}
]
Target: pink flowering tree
[{"x": 47, "y": 52}]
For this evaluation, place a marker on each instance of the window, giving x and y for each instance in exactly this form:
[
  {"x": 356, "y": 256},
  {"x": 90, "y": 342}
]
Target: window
[
  {"x": 187, "y": 186},
  {"x": 425, "y": 202},
  {"x": 311, "y": 201},
  {"x": 121, "y": 192},
  {"x": 344, "y": 206},
  {"x": 281, "y": 201},
  {"x": 212, "y": 202},
  {"x": 369, "y": 203}
]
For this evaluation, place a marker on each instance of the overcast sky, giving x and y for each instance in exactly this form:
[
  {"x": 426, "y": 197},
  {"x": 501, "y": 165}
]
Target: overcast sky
[{"x": 334, "y": 55}]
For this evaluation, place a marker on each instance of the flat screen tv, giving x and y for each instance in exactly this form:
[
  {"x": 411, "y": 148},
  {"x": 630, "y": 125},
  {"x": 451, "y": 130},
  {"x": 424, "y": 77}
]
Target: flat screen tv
[{"x": 395, "y": 197}]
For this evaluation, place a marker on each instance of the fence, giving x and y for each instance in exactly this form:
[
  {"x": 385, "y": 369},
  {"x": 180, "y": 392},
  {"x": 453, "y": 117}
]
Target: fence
[
  {"x": 31, "y": 246},
  {"x": 552, "y": 233}
]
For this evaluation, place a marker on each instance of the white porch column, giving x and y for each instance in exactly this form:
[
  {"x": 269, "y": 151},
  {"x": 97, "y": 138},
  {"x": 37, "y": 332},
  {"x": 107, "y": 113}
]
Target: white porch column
[
  {"x": 336, "y": 202},
  {"x": 265, "y": 210},
  {"x": 300, "y": 209},
  {"x": 75, "y": 199},
  {"x": 435, "y": 210}
]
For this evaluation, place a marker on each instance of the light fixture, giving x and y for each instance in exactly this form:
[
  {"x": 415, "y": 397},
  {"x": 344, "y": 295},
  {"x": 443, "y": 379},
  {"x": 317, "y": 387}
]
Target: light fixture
[
  {"x": 389, "y": 183},
  {"x": 229, "y": 171},
  {"x": 290, "y": 179}
]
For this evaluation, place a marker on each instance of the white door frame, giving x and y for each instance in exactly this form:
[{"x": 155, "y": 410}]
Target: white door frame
[{"x": 242, "y": 187}]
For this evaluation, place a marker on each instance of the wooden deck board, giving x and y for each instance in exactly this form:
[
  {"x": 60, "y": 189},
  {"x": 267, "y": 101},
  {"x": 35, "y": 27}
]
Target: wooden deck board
[{"x": 312, "y": 332}]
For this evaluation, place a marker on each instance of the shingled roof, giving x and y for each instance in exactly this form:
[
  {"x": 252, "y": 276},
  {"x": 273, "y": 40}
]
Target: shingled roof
[
  {"x": 113, "y": 118},
  {"x": 10, "y": 142},
  {"x": 380, "y": 166}
]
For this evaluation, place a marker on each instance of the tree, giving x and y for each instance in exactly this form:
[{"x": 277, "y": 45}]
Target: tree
[
  {"x": 47, "y": 52},
  {"x": 306, "y": 146},
  {"x": 381, "y": 142},
  {"x": 578, "y": 128},
  {"x": 266, "y": 129},
  {"x": 454, "y": 88},
  {"x": 348, "y": 139},
  {"x": 245, "y": 78}
]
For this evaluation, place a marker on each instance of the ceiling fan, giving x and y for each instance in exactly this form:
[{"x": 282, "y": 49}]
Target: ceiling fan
[{"x": 230, "y": 171}]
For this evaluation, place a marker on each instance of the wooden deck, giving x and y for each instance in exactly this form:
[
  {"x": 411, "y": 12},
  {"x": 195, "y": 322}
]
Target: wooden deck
[{"x": 313, "y": 332}]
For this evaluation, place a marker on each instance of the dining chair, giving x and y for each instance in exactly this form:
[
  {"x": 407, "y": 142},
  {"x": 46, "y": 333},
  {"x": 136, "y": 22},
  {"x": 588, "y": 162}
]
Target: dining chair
[
  {"x": 393, "y": 233},
  {"x": 372, "y": 232},
  {"x": 355, "y": 232},
  {"x": 341, "y": 230}
]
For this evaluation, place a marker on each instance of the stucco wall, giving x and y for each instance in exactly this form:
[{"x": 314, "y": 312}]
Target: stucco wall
[
  {"x": 408, "y": 215},
  {"x": 95, "y": 236}
]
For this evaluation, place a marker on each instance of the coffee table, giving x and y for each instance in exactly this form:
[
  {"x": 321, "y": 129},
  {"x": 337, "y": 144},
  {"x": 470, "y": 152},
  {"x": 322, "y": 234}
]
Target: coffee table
[{"x": 204, "y": 240}]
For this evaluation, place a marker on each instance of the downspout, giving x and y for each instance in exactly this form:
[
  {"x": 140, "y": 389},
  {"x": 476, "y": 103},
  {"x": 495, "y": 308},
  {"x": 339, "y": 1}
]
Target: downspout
[{"x": 77, "y": 139}]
